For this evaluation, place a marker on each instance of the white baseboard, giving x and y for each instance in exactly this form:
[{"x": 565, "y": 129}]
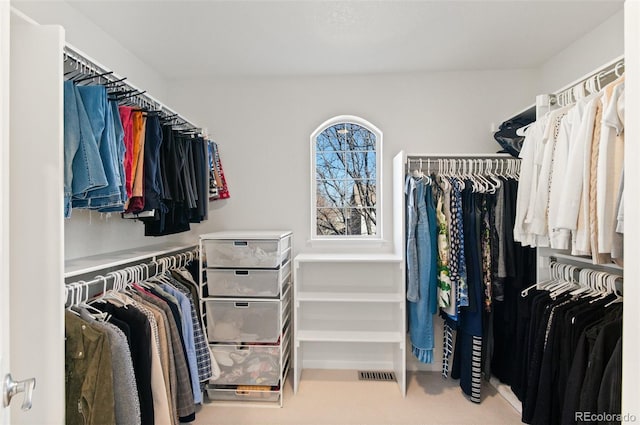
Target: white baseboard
[{"x": 506, "y": 393}]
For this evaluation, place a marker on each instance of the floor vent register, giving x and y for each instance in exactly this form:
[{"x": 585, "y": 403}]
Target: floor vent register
[{"x": 374, "y": 375}]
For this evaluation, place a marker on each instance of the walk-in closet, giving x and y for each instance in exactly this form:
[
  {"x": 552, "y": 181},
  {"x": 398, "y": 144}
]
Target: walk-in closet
[{"x": 344, "y": 212}]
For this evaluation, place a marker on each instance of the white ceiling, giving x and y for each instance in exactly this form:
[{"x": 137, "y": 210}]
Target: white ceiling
[{"x": 189, "y": 39}]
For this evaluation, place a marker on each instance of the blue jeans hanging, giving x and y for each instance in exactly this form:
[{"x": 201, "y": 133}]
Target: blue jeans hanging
[
  {"x": 83, "y": 170},
  {"x": 100, "y": 116},
  {"x": 420, "y": 315}
]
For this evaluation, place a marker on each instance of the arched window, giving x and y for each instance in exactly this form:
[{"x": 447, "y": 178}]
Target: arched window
[{"x": 346, "y": 154}]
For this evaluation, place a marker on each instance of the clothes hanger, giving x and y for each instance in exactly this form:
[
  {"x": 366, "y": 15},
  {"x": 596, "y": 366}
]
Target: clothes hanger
[
  {"x": 183, "y": 261},
  {"x": 163, "y": 267},
  {"x": 557, "y": 277},
  {"x": 458, "y": 176},
  {"x": 485, "y": 176},
  {"x": 516, "y": 169},
  {"x": 114, "y": 82},
  {"x": 417, "y": 171},
  {"x": 425, "y": 177},
  {"x": 615, "y": 290},
  {"x": 592, "y": 280},
  {"x": 552, "y": 274},
  {"x": 471, "y": 175},
  {"x": 101, "y": 296},
  {"x": 116, "y": 295},
  {"x": 599, "y": 77},
  {"x": 584, "y": 288},
  {"x": 506, "y": 168},
  {"x": 578, "y": 91},
  {"x": 616, "y": 69},
  {"x": 93, "y": 77},
  {"x": 484, "y": 184},
  {"x": 91, "y": 310},
  {"x": 493, "y": 166},
  {"x": 475, "y": 182},
  {"x": 468, "y": 174},
  {"x": 444, "y": 181},
  {"x": 73, "y": 297},
  {"x": 567, "y": 282},
  {"x": 603, "y": 287}
]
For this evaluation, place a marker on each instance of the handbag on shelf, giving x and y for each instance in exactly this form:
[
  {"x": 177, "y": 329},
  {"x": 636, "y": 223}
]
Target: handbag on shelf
[{"x": 507, "y": 136}]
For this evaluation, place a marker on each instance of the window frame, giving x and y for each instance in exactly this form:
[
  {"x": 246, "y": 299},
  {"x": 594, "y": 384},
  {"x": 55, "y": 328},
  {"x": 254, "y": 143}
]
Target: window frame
[{"x": 348, "y": 119}]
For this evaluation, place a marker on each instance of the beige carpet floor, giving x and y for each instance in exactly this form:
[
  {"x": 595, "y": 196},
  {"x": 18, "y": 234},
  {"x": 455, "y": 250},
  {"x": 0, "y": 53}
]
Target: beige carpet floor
[{"x": 332, "y": 397}]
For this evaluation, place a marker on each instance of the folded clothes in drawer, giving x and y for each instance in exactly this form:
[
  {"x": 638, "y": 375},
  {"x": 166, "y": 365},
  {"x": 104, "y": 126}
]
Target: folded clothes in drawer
[
  {"x": 243, "y": 393},
  {"x": 243, "y": 321},
  {"x": 247, "y": 365},
  {"x": 253, "y": 253},
  {"x": 247, "y": 282}
]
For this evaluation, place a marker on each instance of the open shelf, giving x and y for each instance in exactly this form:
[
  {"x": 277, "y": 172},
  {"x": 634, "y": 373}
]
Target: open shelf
[
  {"x": 348, "y": 257},
  {"x": 79, "y": 266},
  {"x": 349, "y": 336},
  {"x": 355, "y": 296},
  {"x": 349, "y": 312}
]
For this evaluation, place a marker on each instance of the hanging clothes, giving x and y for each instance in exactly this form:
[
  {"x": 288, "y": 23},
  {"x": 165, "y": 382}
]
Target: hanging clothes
[
  {"x": 467, "y": 362},
  {"x": 83, "y": 170},
  {"x": 572, "y": 165},
  {"x": 151, "y": 352},
  {"x": 420, "y": 311},
  {"x": 88, "y": 373},
  {"x": 116, "y": 158},
  {"x": 218, "y": 184},
  {"x": 571, "y": 341},
  {"x": 480, "y": 271}
]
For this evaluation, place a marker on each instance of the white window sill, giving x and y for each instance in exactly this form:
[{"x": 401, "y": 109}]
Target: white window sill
[{"x": 350, "y": 245}]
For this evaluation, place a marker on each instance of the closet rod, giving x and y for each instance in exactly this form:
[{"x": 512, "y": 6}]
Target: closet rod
[
  {"x": 607, "y": 72},
  {"x": 584, "y": 262},
  {"x": 593, "y": 268},
  {"x": 429, "y": 160},
  {"x": 105, "y": 279},
  {"x": 460, "y": 156},
  {"x": 141, "y": 97}
]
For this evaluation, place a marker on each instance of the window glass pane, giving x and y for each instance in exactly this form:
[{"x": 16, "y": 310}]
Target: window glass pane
[
  {"x": 345, "y": 178},
  {"x": 361, "y": 193},
  {"x": 361, "y": 139},
  {"x": 328, "y": 141},
  {"x": 331, "y": 193},
  {"x": 331, "y": 222},
  {"x": 360, "y": 164},
  {"x": 360, "y": 221},
  {"x": 330, "y": 165}
]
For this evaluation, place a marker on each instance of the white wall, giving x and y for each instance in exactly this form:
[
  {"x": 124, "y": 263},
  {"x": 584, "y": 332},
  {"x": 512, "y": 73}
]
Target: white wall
[
  {"x": 601, "y": 45},
  {"x": 631, "y": 330},
  {"x": 263, "y": 127},
  {"x": 85, "y": 35},
  {"x": 89, "y": 233}
]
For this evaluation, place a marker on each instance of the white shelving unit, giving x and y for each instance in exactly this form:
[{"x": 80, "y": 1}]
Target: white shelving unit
[
  {"x": 246, "y": 309},
  {"x": 349, "y": 313},
  {"x": 79, "y": 266}
]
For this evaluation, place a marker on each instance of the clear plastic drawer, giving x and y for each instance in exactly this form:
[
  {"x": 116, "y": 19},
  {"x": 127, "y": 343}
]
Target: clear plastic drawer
[
  {"x": 247, "y": 253},
  {"x": 256, "y": 393},
  {"x": 247, "y": 364},
  {"x": 243, "y": 321},
  {"x": 247, "y": 282}
]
